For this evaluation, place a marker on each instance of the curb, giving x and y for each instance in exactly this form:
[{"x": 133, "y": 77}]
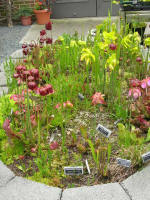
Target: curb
[{"x": 12, "y": 187}]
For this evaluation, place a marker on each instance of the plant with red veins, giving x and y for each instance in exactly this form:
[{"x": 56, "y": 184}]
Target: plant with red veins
[
  {"x": 30, "y": 78},
  {"x": 58, "y": 106},
  {"x": 33, "y": 149},
  {"x": 25, "y": 52},
  {"x": 20, "y": 69},
  {"x": 25, "y": 61},
  {"x": 25, "y": 75},
  {"x": 54, "y": 145},
  {"x": 67, "y": 104},
  {"x": 24, "y": 46},
  {"x": 49, "y": 40},
  {"x": 135, "y": 92},
  {"x": 17, "y": 98},
  {"x": 16, "y": 76},
  {"x": 48, "y": 26},
  {"x": 9, "y": 131},
  {"x": 25, "y": 91},
  {"x": 49, "y": 89},
  {"x": 35, "y": 73},
  {"x": 145, "y": 83},
  {"x": 134, "y": 82},
  {"x": 33, "y": 120},
  {"x": 98, "y": 98},
  {"x": 139, "y": 59},
  {"x": 43, "y": 91},
  {"x": 19, "y": 82},
  {"x": 21, "y": 157},
  {"x": 113, "y": 46},
  {"x": 32, "y": 85},
  {"x": 42, "y": 40},
  {"x": 43, "y": 32}
]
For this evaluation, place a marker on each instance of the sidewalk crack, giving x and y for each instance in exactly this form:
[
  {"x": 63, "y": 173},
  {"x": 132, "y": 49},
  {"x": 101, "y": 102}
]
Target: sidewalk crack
[
  {"x": 61, "y": 194},
  {"x": 126, "y": 191}
]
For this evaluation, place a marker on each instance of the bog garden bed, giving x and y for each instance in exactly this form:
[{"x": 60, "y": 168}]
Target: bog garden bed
[{"x": 60, "y": 93}]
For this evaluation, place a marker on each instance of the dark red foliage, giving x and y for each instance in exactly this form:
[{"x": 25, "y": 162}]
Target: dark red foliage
[
  {"x": 16, "y": 76},
  {"x": 49, "y": 40},
  {"x": 134, "y": 82},
  {"x": 35, "y": 73},
  {"x": 9, "y": 131},
  {"x": 42, "y": 40},
  {"x": 25, "y": 52},
  {"x": 48, "y": 26},
  {"x": 43, "y": 91},
  {"x": 32, "y": 85},
  {"x": 25, "y": 74},
  {"x": 20, "y": 68},
  {"x": 139, "y": 59},
  {"x": 49, "y": 89},
  {"x": 113, "y": 46},
  {"x": 30, "y": 78},
  {"x": 42, "y": 32},
  {"x": 24, "y": 46},
  {"x": 54, "y": 145}
]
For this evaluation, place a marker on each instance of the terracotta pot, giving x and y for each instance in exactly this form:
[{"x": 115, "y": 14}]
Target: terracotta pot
[
  {"x": 26, "y": 21},
  {"x": 42, "y": 16}
]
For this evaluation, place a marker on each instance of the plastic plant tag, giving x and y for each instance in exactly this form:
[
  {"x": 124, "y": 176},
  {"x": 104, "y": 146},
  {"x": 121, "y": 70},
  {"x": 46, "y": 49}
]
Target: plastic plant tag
[
  {"x": 87, "y": 166},
  {"x": 73, "y": 170},
  {"x": 124, "y": 162},
  {"x": 11, "y": 111},
  {"x": 80, "y": 96},
  {"x": 146, "y": 157},
  {"x": 52, "y": 138},
  {"x": 104, "y": 131},
  {"x": 117, "y": 121}
]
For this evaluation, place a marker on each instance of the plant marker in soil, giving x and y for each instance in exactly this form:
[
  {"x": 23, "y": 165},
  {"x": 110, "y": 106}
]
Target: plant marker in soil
[
  {"x": 104, "y": 131},
  {"x": 87, "y": 166},
  {"x": 73, "y": 170},
  {"x": 146, "y": 157},
  {"x": 123, "y": 162}
]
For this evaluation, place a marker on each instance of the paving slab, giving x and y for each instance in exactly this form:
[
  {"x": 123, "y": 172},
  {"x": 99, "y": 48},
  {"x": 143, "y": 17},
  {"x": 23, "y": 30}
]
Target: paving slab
[
  {"x": 5, "y": 175},
  {"x": 69, "y": 25},
  {"x": 111, "y": 191},
  {"x": 138, "y": 185},
  {"x": 17, "y": 54},
  {"x": 23, "y": 189},
  {"x": 3, "y": 90},
  {"x": 3, "y": 81}
]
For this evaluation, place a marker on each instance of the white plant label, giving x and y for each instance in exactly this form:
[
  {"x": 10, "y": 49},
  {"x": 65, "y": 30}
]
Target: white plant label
[
  {"x": 103, "y": 130},
  {"x": 146, "y": 157},
  {"x": 117, "y": 121},
  {"x": 81, "y": 97},
  {"x": 73, "y": 170},
  {"x": 87, "y": 166},
  {"x": 52, "y": 138},
  {"x": 124, "y": 162}
]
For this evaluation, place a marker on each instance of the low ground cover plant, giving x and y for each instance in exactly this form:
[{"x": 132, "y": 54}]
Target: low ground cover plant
[{"x": 59, "y": 94}]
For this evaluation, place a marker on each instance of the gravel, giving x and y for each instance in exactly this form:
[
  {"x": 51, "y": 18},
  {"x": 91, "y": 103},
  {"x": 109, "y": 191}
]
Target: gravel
[{"x": 9, "y": 39}]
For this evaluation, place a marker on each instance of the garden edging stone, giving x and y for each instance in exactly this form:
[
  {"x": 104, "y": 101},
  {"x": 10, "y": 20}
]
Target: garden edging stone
[
  {"x": 23, "y": 189},
  {"x": 136, "y": 187},
  {"x": 108, "y": 191},
  {"x": 138, "y": 184},
  {"x": 5, "y": 175}
]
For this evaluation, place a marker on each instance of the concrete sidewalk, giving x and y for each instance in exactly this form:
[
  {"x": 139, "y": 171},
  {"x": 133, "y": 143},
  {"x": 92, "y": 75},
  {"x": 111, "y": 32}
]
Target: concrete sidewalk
[
  {"x": 60, "y": 26},
  {"x": 135, "y": 187}
]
